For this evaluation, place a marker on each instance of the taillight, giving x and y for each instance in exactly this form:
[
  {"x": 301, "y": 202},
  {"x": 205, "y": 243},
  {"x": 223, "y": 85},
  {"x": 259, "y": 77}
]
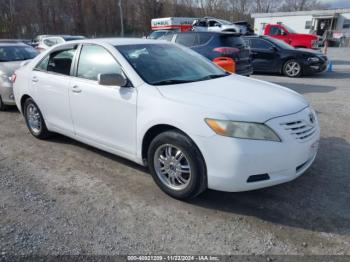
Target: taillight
[
  {"x": 226, "y": 50},
  {"x": 13, "y": 78}
]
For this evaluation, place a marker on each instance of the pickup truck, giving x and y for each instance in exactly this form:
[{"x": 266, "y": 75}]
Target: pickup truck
[{"x": 289, "y": 36}]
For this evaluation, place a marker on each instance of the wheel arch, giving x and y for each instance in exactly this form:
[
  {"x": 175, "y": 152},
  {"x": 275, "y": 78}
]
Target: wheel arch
[
  {"x": 157, "y": 129},
  {"x": 154, "y": 131},
  {"x": 22, "y": 101},
  {"x": 296, "y": 58}
]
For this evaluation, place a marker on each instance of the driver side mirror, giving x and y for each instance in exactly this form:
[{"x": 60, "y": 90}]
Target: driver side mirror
[
  {"x": 217, "y": 24},
  {"x": 112, "y": 80}
]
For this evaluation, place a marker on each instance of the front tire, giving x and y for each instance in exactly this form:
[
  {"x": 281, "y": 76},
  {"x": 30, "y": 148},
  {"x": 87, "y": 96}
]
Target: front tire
[
  {"x": 292, "y": 68},
  {"x": 34, "y": 120},
  {"x": 177, "y": 165}
]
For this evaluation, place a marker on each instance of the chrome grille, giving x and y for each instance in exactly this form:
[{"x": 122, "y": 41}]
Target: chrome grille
[{"x": 300, "y": 129}]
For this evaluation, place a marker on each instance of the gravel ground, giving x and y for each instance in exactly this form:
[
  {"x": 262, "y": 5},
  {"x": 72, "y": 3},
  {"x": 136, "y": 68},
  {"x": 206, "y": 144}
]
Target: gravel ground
[{"x": 61, "y": 197}]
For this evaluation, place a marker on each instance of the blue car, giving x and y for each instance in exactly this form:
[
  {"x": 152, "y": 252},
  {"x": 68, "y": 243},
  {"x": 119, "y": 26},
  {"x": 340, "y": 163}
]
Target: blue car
[{"x": 217, "y": 45}]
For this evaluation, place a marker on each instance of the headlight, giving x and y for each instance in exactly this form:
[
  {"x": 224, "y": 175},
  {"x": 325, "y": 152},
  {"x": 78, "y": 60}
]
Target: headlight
[
  {"x": 244, "y": 130},
  {"x": 313, "y": 59}
]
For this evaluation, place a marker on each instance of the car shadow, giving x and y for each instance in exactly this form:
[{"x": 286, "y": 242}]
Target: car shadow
[
  {"x": 11, "y": 109},
  {"x": 335, "y": 74},
  {"x": 317, "y": 201},
  {"x": 340, "y": 62},
  {"x": 306, "y": 88},
  {"x": 60, "y": 139}
]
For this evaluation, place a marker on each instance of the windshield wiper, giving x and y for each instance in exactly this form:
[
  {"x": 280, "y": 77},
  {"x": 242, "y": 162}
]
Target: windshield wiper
[
  {"x": 171, "y": 82},
  {"x": 208, "y": 77}
]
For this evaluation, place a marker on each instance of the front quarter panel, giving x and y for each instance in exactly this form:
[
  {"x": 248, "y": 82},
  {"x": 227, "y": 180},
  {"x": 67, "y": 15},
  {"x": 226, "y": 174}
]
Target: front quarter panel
[{"x": 154, "y": 109}]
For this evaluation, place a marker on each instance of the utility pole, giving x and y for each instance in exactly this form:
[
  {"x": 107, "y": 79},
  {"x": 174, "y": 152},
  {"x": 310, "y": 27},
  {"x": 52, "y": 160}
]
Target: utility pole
[{"x": 121, "y": 19}]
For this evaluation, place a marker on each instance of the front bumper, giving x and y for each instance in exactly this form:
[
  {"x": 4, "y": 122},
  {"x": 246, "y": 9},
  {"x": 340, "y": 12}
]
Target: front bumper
[
  {"x": 312, "y": 68},
  {"x": 6, "y": 93},
  {"x": 231, "y": 163}
]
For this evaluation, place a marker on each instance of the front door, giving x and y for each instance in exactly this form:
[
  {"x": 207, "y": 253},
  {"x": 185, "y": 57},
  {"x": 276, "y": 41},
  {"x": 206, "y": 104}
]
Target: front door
[
  {"x": 103, "y": 115},
  {"x": 265, "y": 56}
]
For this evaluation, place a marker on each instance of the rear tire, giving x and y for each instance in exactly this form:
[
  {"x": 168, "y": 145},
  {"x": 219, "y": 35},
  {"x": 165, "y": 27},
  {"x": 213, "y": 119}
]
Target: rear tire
[
  {"x": 177, "y": 166},
  {"x": 34, "y": 120},
  {"x": 292, "y": 68}
]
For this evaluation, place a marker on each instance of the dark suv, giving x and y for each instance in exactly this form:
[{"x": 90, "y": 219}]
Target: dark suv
[{"x": 216, "y": 45}]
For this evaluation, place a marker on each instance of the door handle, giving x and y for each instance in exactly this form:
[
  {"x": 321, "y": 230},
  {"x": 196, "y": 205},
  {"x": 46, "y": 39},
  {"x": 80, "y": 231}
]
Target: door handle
[
  {"x": 76, "y": 89},
  {"x": 35, "y": 79}
]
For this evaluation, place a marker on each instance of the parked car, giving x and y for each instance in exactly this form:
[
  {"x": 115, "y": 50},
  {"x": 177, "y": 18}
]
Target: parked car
[
  {"x": 165, "y": 106},
  {"x": 213, "y": 24},
  {"x": 288, "y": 35},
  {"x": 245, "y": 28},
  {"x": 12, "y": 54},
  {"x": 219, "y": 48},
  {"x": 46, "y": 42},
  {"x": 275, "y": 56},
  {"x": 38, "y": 39}
]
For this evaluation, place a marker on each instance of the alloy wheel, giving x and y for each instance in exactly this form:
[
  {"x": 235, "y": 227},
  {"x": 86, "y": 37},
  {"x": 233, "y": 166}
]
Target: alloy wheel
[
  {"x": 293, "y": 69},
  {"x": 34, "y": 119},
  {"x": 172, "y": 167}
]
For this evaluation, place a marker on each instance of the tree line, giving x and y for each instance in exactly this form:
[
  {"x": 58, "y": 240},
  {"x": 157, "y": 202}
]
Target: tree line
[{"x": 96, "y": 18}]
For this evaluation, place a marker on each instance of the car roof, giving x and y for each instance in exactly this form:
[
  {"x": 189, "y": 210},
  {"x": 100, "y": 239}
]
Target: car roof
[
  {"x": 211, "y": 33},
  {"x": 117, "y": 41}
]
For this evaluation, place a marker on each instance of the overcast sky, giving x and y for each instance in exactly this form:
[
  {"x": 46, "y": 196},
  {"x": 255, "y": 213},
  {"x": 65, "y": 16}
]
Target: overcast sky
[{"x": 337, "y": 3}]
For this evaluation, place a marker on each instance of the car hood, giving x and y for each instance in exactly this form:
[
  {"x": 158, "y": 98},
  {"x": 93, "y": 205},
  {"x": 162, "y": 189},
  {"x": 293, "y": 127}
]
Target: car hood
[
  {"x": 10, "y": 67},
  {"x": 310, "y": 51},
  {"x": 237, "y": 98}
]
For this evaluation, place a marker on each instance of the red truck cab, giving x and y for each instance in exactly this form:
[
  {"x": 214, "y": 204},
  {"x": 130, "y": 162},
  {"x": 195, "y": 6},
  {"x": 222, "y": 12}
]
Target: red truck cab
[{"x": 288, "y": 35}]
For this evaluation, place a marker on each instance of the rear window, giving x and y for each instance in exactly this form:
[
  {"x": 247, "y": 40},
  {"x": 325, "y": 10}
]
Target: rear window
[
  {"x": 232, "y": 41},
  {"x": 186, "y": 39},
  {"x": 204, "y": 38}
]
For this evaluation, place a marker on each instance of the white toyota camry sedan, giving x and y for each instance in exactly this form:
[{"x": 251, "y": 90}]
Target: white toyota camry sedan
[{"x": 165, "y": 106}]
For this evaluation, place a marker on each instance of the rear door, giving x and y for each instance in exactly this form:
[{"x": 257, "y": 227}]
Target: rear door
[
  {"x": 265, "y": 57},
  {"x": 50, "y": 81}
]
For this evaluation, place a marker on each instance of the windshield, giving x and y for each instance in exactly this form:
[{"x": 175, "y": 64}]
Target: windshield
[
  {"x": 280, "y": 43},
  {"x": 290, "y": 30},
  {"x": 16, "y": 53},
  {"x": 166, "y": 64}
]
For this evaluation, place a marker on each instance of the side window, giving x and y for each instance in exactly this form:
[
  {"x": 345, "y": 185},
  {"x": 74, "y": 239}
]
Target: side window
[
  {"x": 213, "y": 23},
  {"x": 259, "y": 44},
  {"x": 95, "y": 60},
  {"x": 204, "y": 38},
  {"x": 275, "y": 31},
  {"x": 59, "y": 62},
  {"x": 167, "y": 37},
  {"x": 42, "y": 66},
  {"x": 186, "y": 39}
]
